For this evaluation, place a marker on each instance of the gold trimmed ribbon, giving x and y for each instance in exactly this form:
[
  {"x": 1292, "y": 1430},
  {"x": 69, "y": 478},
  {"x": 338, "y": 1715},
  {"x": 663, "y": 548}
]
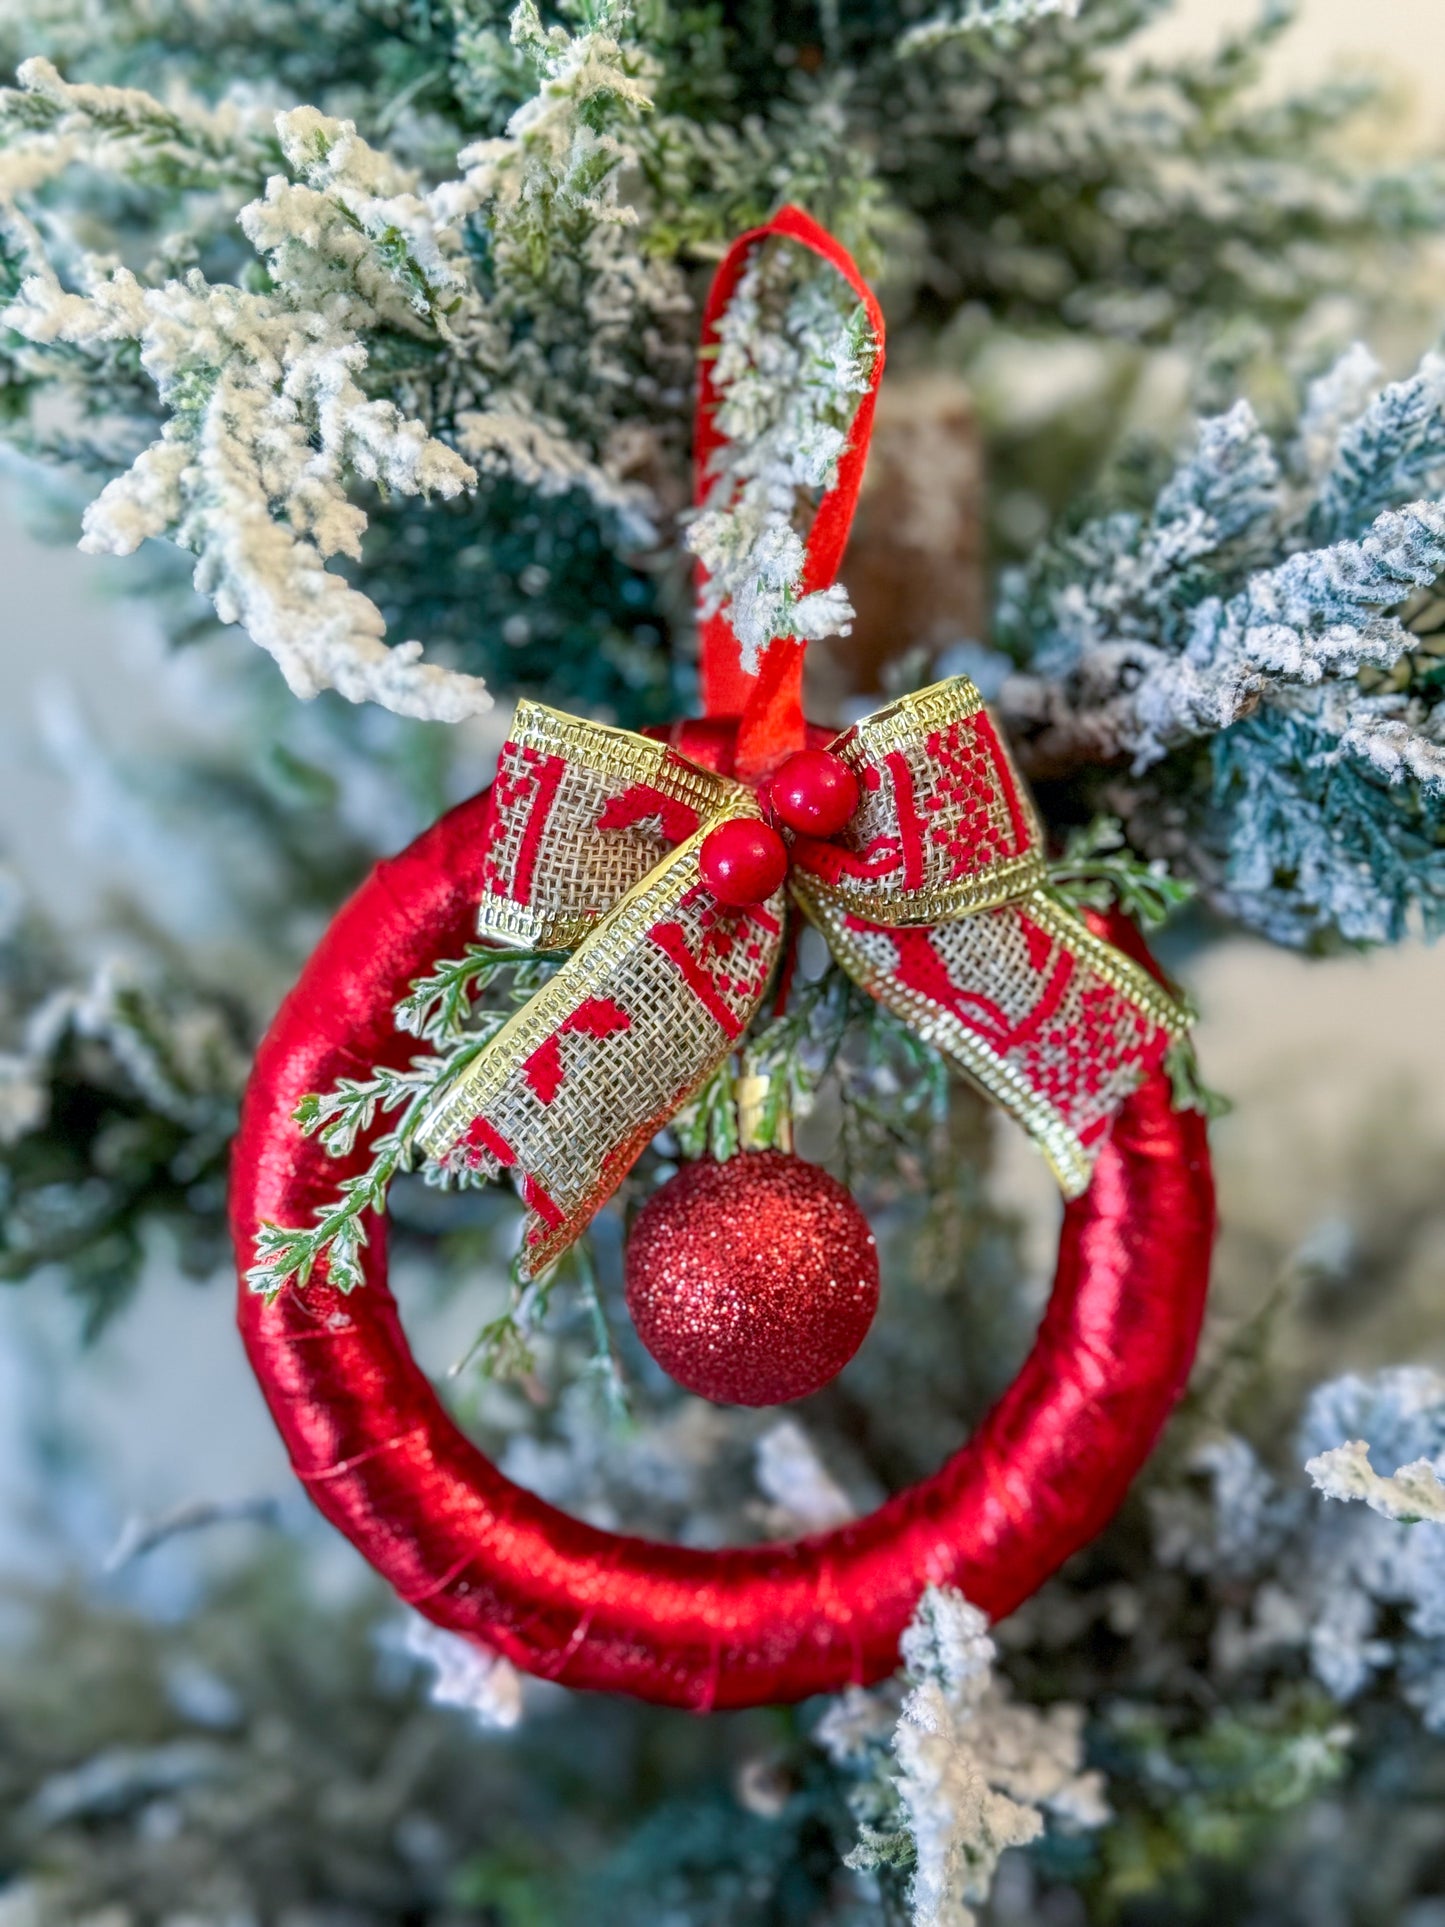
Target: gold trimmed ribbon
[{"x": 934, "y": 899}]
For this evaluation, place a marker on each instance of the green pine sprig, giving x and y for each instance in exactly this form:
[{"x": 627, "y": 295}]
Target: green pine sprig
[
  {"x": 439, "y": 1007},
  {"x": 504, "y": 1347},
  {"x": 794, "y": 1051},
  {"x": 708, "y": 1126},
  {"x": 1098, "y": 871},
  {"x": 1190, "y": 1092},
  {"x": 283, "y": 1252},
  {"x": 441, "y": 1010}
]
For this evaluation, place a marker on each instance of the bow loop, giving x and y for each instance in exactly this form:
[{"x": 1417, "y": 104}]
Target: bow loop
[
  {"x": 944, "y": 826},
  {"x": 581, "y": 812}
]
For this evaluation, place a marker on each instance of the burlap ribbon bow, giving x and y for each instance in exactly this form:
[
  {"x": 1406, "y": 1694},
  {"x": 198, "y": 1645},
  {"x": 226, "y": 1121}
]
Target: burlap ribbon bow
[{"x": 933, "y": 899}]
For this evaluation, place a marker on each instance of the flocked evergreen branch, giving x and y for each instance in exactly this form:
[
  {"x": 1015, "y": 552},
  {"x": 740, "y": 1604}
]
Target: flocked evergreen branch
[
  {"x": 582, "y": 331},
  {"x": 1353, "y": 1590},
  {"x": 987, "y": 20},
  {"x": 1266, "y": 606},
  {"x": 273, "y": 423},
  {"x": 793, "y": 356},
  {"x": 1140, "y": 639},
  {"x": 268, "y": 425},
  {"x": 1409, "y": 1494},
  {"x": 949, "y": 1778},
  {"x": 48, "y": 124},
  {"x": 117, "y": 1102}
]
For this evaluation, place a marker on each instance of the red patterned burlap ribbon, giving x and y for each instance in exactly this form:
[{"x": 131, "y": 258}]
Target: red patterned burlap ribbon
[{"x": 934, "y": 899}]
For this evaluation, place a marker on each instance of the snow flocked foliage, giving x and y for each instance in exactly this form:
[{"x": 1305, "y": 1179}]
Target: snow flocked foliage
[
  {"x": 427, "y": 277},
  {"x": 975, "y": 1772},
  {"x": 385, "y": 314},
  {"x": 1357, "y": 1588},
  {"x": 117, "y": 1102},
  {"x": 1248, "y": 654},
  {"x": 792, "y": 361}
]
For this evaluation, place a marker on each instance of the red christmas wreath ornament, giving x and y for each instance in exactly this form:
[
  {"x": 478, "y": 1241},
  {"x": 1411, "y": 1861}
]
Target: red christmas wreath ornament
[{"x": 931, "y": 893}]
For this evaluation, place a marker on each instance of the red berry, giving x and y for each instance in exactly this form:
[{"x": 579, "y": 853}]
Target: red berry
[
  {"x": 754, "y": 1281},
  {"x": 815, "y": 793},
  {"x": 743, "y": 861}
]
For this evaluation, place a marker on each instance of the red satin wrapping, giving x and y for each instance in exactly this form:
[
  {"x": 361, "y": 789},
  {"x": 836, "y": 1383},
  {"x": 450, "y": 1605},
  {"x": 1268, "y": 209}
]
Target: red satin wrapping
[{"x": 684, "y": 1627}]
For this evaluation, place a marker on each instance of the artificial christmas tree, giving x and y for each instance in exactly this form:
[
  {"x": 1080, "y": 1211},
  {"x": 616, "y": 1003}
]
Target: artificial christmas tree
[{"x": 386, "y": 315}]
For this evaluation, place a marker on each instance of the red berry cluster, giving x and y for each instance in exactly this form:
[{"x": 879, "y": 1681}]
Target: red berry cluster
[{"x": 745, "y": 861}]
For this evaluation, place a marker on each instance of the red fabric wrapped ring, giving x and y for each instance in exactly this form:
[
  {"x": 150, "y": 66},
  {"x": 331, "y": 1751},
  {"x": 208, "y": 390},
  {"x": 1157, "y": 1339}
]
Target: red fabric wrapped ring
[{"x": 743, "y": 1626}]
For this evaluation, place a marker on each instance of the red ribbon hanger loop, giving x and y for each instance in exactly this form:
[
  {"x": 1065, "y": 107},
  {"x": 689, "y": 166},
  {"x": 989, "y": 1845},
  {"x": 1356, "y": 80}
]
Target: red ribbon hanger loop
[{"x": 768, "y": 705}]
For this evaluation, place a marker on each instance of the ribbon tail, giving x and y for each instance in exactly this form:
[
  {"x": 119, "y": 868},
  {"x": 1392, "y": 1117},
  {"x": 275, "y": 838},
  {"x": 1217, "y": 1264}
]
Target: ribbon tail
[
  {"x": 575, "y": 1086},
  {"x": 935, "y": 901},
  {"x": 1045, "y": 1017}
]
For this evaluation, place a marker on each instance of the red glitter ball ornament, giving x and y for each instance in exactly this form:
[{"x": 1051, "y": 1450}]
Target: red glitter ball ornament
[
  {"x": 815, "y": 793},
  {"x": 743, "y": 861},
  {"x": 754, "y": 1281}
]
